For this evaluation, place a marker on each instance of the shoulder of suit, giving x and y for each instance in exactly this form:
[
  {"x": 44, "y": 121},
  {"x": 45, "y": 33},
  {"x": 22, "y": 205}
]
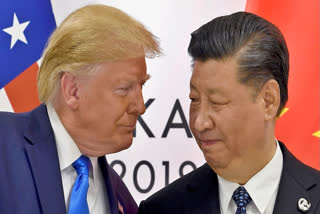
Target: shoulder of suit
[
  {"x": 11, "y": 123},
  {"x": 12, "y": 126},
  {"x": 302, "y": 173},
  {"x": 181, "y": 186},
  {"x": 9, "y": 119}
]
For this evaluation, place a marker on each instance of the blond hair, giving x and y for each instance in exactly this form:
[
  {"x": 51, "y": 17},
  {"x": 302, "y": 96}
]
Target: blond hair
[{"x": 91, "y": 35}]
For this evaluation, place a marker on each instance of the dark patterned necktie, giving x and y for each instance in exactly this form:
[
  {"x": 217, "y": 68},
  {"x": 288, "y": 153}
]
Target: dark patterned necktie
[{"x": 242, "y": 199}]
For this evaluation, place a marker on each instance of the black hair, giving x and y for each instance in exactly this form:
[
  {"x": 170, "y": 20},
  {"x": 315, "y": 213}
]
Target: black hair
[{"x": 259, "y": 46}]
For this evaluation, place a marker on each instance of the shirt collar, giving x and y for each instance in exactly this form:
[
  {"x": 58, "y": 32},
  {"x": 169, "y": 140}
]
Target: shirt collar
[
  {"x": 68, "y": 151},
  {"x": 260, "y": 187},
  {"x": 226, "y": 189}
]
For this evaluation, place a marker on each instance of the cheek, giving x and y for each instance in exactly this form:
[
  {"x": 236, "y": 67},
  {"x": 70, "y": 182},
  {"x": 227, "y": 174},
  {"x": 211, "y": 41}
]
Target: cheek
[
  {"x": 111, "y": 104},
  {"x": 229, "y": 125},
  {"x": 114, "y": 111},
  {"x": 245, "y": 127},
  {"x": 105, "y": 112},
  {"x": 253, "y": 119},
  {"x": 192, "y": 117},
  {"x": 118, "y": 111}
]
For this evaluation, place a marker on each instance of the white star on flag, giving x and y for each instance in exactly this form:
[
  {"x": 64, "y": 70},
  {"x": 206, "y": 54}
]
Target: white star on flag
[{"x": 16, "y": 31}]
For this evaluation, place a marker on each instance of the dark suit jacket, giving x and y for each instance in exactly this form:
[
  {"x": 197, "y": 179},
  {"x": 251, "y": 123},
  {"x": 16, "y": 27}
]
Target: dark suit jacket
[
  {"x": 30, "y": 178},
  {"x": 198, "y": 192}
]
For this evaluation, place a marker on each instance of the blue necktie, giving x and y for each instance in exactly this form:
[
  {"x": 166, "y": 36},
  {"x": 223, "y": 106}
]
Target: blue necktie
[
  {"x": 78, "y": 201},
  {"x": 242, "y": 199}
]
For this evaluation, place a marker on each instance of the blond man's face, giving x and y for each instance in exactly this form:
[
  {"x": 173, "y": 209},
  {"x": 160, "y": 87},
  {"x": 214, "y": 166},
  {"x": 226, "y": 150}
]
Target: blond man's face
[{"x": 110, "y": 103}]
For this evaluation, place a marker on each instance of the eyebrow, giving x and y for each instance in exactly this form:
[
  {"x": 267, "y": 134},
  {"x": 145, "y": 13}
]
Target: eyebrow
[
  {"x": 210, "y": 90},
  {"x": 213, "y": 90},
  {"x": 131, "y": 81}
]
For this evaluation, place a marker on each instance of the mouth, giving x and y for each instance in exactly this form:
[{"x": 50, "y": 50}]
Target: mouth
[
  {"x": 130, "y": 127},
  {"x": 208, "y": 142}
]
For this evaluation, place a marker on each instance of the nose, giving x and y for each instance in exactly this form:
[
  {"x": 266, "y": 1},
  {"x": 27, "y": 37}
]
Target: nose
[
  {"x": 137, "y": 105},
  {"x": 202, "y": 120}
]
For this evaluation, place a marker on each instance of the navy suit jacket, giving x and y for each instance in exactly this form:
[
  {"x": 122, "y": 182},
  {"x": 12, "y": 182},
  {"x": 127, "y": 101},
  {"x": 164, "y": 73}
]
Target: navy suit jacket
[
  {"x": 198, "y": 192},
  {"x": 30, "y": 178}
]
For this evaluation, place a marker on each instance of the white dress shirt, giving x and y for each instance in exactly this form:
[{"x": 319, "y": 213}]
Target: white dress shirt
[
  {"x": 262, "y": 187},
  {"x": 68, "y": 152}
]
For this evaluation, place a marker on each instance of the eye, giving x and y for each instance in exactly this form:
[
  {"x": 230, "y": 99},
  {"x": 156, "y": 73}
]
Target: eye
[
  {"x": 214, "y": 102},
  {"x": 123, "y": 90},
  {"x": 193, "y": 99},
  {"x": 218, "y": 102}
]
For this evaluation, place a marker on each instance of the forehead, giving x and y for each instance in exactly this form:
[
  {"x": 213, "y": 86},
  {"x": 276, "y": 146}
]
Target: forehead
[
  {"x": 214, "y": 72},
  {"x": 132, "y": 68}
]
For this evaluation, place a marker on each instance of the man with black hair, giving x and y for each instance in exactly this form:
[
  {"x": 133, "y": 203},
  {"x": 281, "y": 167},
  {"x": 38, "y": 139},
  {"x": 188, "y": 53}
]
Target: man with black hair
[{"x": 237, "y": 90}]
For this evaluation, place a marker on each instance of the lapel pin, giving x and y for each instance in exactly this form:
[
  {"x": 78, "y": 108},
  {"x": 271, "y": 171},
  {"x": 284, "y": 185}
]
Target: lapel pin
[
  {"x": 304, "y": 205},
  {"x": 120, "y": 208}
]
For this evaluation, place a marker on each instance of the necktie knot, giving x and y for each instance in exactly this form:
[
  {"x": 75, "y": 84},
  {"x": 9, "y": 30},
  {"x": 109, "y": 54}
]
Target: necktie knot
[
  {"x": 82, "y": 165},
  {"x": 242, "y": 198}
]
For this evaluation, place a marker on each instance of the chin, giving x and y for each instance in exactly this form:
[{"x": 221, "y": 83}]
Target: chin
[
  {"x": 123, "y": 145},
  {"x": 126, "y": 145},
  {"x": 114, "y": 147},
  {"x": 215, "y": 162}
]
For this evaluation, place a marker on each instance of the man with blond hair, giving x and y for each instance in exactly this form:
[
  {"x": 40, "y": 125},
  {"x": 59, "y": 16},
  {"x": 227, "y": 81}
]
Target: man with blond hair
[{"x": 90, "y": 82}]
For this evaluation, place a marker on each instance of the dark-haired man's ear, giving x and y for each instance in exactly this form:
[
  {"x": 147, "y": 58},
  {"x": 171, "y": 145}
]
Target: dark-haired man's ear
[
  {"x": 271, "y": 98},
  {"x": 69, "y": 90}
]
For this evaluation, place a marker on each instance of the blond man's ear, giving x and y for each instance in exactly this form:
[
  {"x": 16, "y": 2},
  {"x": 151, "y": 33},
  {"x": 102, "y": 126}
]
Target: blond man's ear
[{"x": 69, "y": 90}]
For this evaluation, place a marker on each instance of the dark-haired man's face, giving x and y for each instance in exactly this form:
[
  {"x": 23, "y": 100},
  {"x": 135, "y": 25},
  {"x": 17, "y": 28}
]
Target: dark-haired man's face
[{"x": 227, "y": 122}]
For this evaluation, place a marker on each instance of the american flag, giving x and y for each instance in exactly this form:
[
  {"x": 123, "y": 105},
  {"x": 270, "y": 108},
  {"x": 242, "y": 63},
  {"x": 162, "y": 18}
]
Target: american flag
[{"x": 24, "y": 31}]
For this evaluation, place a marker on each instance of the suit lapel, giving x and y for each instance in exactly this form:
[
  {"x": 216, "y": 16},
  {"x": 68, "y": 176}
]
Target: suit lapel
[
  {"x": 43, "y": 158},
  {"x": 110, "y": 184},
  {"x": 295, "y": 183},
  {"x": 288, "y": 195},
  {"x": 204, "y": 193}
]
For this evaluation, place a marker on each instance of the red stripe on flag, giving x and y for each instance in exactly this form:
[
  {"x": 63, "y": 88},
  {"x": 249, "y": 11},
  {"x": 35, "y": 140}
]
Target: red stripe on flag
[
  {"x": 22, "y": 91},
  {"x": 299, "y": 22}
]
